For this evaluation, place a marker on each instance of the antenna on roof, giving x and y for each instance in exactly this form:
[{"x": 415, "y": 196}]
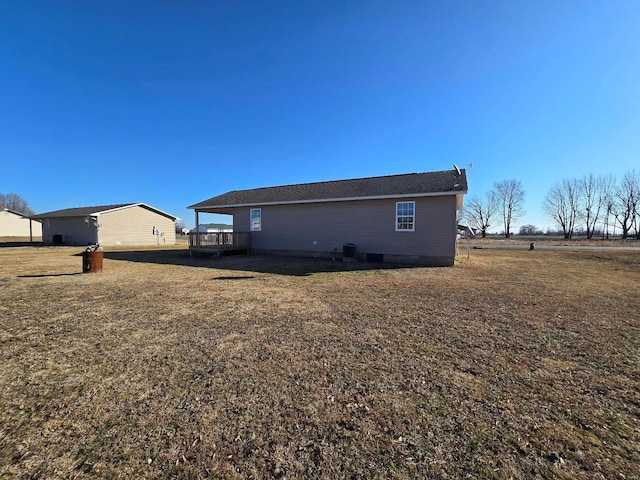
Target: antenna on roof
[
  {"x": 470, "y": 230},
  {"x": 470, "y": 166},
  {"x": 457, "y": 168}
]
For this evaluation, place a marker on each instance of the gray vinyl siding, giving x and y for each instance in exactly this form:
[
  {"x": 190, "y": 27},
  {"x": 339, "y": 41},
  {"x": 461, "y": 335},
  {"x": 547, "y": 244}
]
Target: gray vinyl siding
[
  {"x": 134, "y": 226},
  {"x": 368, "y": 224},
  {"x": 73, "y": 230}
]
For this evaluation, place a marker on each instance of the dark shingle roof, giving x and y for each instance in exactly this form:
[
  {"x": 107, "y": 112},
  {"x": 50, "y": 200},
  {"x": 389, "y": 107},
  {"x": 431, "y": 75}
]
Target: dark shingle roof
[
  {"x": 444, "y": 182},
  {"x": 80, "y": 211},
  {"x": 15, "y": 212},
  {"x": 88, "y": 211}
]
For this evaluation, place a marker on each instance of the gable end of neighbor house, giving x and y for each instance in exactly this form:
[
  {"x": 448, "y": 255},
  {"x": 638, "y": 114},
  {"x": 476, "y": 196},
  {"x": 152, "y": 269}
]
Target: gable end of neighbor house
[{"x": 136, "y": 225}]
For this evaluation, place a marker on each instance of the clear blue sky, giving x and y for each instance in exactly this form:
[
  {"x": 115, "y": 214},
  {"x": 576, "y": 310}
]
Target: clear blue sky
[{"x": 173, "y": 102}]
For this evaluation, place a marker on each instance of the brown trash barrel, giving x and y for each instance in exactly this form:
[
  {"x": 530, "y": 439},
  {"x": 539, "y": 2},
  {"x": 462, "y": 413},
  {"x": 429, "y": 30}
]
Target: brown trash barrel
[{"x": 92, "y": 261}]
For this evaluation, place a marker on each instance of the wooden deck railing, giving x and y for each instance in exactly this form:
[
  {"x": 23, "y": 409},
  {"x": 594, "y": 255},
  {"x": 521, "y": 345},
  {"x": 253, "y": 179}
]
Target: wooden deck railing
[{"x": 219, "y": 241}]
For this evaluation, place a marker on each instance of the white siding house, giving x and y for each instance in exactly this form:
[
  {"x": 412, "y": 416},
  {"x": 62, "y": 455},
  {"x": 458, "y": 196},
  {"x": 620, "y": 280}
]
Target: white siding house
[{"x": 16, "y": 224}]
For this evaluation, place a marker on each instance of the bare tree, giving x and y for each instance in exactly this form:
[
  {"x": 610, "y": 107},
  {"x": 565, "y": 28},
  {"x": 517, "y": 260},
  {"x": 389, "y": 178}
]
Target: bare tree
[
  {"x": 561, "y": 204},
  {"x": 13, "y": 201},
  {"x": 607, "y": 217},
  {"x": 510, "y": 198},
  {"x": 627, "y": 200},
  {"x": 595, "y": 193},
  {"x": 481, "y": 212}
]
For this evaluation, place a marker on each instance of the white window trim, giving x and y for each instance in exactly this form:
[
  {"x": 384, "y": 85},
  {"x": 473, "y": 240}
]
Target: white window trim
[
  {"x": 412, "y": 216},
  {"x": 251, "y": 228}
]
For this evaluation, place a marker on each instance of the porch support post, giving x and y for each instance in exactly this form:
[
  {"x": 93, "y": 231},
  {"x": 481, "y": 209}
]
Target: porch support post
[{"x": 197, "y": 230}]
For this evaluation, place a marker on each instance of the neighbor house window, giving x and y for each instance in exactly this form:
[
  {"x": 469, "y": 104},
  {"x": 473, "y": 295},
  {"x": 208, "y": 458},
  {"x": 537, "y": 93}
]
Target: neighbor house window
[
  {"x": 405, "y": 216},
  {"x": 256, "y": 219}
]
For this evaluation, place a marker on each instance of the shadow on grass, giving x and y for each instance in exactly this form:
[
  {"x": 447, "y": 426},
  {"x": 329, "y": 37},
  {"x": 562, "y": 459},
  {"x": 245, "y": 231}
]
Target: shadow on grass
[
  {"x": 20, "y": 244},
  {"x": 50, "y": 275},
  {"x": 243, "y": 277},
  {"x": 247, "y": 263}
]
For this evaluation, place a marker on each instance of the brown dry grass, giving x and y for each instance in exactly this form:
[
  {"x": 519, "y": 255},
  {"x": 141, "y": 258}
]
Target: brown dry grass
[
  {"x": 513, "y": 364},
  {"x": 577, "y": 241}
]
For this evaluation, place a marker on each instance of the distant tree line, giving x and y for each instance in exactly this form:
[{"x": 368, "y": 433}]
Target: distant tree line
[
  {"x": 530, "y": 230},
  {"x": 589, "y": 205},
  {"x": 594, "y": 204},
  {"x": 13, "y": 201}
]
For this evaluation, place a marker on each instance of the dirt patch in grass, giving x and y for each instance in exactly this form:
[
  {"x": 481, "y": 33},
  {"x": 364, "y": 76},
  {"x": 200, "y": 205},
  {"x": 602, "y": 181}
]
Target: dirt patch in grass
[{"x": 511, "y": 364}]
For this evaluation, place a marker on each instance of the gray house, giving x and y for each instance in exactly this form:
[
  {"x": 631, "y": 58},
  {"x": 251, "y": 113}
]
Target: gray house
[
  {"x": 408, "y": 218},
  {"x": 121, "y": 224}
]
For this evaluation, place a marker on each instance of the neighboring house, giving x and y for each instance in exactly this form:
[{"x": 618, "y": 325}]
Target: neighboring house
[
  {"x": 214, "y": 227},
  {"x": 16, "y": 224},
  {"x": 407, "y": 218},
  {"x": 122, "y": 224}
]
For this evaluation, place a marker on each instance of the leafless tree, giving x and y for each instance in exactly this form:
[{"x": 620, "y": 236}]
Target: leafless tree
[
  {"x": 627, "y": 201},
  {"x": 480, "y": 213},
  {"x": 607, "y": 217},
  {"x": 510, "y": 199},
  {"x": 561, "y": 204},
  {"x": 13, "y": 201},
  {"x": 595, "y": 195}
]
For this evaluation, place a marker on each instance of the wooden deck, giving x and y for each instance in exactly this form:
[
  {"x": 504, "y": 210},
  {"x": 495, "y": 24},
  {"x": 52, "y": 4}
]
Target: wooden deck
[{"x": 219, "y": 243}]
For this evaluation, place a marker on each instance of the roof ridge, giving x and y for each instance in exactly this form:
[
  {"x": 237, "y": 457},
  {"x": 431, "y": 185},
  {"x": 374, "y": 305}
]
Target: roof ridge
[
  {"x": 441, "y": 182},
  {"x": 93, "y": 207},
  {"x": 345, "y": 180}
]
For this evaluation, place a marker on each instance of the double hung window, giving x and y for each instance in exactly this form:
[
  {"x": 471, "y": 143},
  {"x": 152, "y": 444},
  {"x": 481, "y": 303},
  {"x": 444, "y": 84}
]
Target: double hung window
[
  {"x": 256, "y": 219},
  {"x": 405, "y": 216}
]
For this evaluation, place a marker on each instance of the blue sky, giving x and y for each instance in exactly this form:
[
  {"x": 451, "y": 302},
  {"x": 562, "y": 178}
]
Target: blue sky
[{"x": 172, "y": 102}]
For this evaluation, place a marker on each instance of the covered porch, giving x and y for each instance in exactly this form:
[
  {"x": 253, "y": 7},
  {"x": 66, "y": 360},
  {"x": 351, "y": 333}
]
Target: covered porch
[{"x": 220, "y": 242}]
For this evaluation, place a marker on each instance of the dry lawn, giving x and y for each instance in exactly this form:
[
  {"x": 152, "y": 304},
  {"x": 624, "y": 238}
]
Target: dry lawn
[
  {"x": 551, "y": 240},
  {"x": 513, "y": 364}
]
